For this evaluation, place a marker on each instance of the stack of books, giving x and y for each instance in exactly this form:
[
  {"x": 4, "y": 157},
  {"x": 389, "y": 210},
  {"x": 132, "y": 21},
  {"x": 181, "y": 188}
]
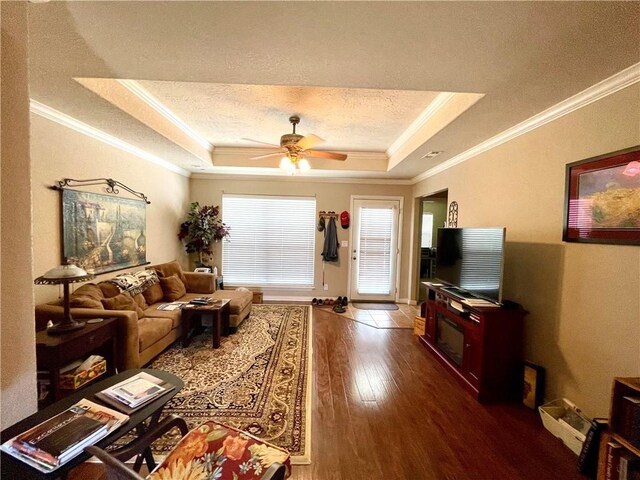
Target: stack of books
[
  {"x": 135, "y": 392},
  {"x": 54, "y": 442}
]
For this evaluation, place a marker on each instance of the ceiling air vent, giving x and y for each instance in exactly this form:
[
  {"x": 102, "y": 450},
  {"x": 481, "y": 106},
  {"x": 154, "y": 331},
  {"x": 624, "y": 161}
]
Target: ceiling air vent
[{"x": 432, "y": 154}]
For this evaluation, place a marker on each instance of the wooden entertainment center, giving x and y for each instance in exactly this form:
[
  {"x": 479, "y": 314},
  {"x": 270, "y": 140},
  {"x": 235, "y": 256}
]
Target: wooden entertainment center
[{"x": 481, "y": 346}]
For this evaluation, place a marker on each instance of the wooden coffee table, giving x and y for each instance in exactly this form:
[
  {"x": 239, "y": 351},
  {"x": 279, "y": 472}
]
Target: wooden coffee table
[
  {"x": 140, "y": 421},
  {"x": 218, "y": 313}
]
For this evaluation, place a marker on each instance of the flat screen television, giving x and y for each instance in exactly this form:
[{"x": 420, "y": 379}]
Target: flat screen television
[{"x": 472, "y": 260}]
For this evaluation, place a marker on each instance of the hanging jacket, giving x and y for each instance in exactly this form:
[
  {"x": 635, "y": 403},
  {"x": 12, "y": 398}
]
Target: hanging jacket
[{"x": 330, "y": 250}]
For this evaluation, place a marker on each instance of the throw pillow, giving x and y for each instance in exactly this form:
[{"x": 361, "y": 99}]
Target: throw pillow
[
  {"x": 140, "y": 301},
  {"x": 171, "y": 268},
  {"x": 108, "y": 289},
  {"x": 88, "y": 295},
  {"x": 153, "y": 294},
  {"x": 123, "y": 301},
  {"x": 173, "y": 288}
]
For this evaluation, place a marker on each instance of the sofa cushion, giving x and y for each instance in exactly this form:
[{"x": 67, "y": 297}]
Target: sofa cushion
[
  {"x": 123, "y": 301},
  {"x": 169, "y": 269},
  {"x": 173, "y": 288},
  {"x": 88, "y": 295},
  {"x": 109, "y": 289},
  {"x": 153, "y": 294},
  {"x": 140, "y": 301},
  {"x": 174, "y": 315},
  {"x": 150, "y": 330},
  {"x": 239, "y": 299}
]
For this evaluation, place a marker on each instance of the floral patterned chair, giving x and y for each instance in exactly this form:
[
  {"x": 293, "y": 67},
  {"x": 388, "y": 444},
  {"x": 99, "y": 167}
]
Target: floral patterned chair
[{"x": 211, "y": 451}]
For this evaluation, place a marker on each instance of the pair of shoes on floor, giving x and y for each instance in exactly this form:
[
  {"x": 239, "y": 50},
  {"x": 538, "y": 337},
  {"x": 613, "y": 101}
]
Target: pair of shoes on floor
[
  {"x": 339, "y": 308},
  {"x": 322, "y": 302},
  {"x": 344, "y": 301}
]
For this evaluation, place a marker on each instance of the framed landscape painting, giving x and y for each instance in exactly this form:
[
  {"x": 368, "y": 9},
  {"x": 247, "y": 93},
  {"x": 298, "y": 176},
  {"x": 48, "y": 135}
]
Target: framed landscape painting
[
  {"x": 103, "y": 233},
  {"x": 602, "y": 199}
]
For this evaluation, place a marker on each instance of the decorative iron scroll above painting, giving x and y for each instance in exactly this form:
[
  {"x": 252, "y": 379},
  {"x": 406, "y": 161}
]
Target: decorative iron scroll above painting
[{"x": 102, "y": 233}]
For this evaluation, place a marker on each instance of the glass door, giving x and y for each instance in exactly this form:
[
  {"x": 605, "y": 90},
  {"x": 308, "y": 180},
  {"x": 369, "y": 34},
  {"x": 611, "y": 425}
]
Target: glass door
[{"x": 374, "y": 253}]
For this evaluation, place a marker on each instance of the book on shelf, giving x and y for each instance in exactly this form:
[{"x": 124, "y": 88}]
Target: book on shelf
[
  {"x": 588, "y": 458},
  {"x": 135, "y": 392},
  {"x": 57, "y": 440},
  {"x": 612, "y": 470},
  {"x": 628, "y": 463},
  {"x": 630, "y": 420}
]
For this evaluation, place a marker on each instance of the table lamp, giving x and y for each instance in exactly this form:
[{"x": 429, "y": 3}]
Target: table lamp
[{"x": 64, "y": 274}]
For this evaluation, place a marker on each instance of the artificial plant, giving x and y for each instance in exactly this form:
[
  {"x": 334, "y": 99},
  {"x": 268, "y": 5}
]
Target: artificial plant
[{"x": 202, "y": 227}]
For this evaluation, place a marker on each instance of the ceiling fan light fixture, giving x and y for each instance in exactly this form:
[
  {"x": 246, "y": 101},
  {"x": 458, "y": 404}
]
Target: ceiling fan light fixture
[
  {"x": 287, "y": 165},
  {"x": 303, "y": 165}
]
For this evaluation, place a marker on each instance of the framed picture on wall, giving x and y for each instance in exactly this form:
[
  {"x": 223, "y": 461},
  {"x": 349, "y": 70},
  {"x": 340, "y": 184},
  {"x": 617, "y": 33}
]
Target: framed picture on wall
[
  {"x": 103, "y": 233},
  {"x": 602, "y": 199},
  {"x": 533, "y": 385}
]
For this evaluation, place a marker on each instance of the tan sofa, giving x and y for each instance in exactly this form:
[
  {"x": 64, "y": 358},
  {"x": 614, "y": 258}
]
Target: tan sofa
[{"x": 144, "y": 331}]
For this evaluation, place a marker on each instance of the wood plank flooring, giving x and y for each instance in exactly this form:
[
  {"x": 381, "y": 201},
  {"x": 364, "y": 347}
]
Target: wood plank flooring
[{"x": 384, "y": 409}]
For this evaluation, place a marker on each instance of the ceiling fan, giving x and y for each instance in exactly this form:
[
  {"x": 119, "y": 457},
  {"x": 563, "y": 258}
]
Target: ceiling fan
[{"x": 296, "y": 149}]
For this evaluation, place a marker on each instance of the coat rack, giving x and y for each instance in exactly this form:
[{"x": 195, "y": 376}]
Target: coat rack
[
  {"x": 112, "y": 186},
  {"x": 331, "y": 214}
]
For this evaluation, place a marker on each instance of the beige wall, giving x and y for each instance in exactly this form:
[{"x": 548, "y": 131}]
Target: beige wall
[
  {"x": 584, "y": 300},
  {"x": 58, "y": 152},
  {"x": 18, "y": 378},
  {"x": 329, "y": 196}
]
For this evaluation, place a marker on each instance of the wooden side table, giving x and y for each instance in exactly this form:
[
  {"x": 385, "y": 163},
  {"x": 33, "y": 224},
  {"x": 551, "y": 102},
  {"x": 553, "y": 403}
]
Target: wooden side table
[
  {"x": 217, "y": 312},
  {"x": 55, "y": 351}
]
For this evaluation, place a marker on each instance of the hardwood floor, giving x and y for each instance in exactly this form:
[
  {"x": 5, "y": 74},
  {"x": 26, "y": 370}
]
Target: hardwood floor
[{"x": 383, "y": 408}]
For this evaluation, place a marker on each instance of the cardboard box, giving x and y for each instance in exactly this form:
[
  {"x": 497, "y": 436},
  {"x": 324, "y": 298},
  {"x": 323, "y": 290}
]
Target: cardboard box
[
  {"x": 418, "y": 326},
  {"x": 73, "y": 381},
  {"x": 552, "y": 415}
]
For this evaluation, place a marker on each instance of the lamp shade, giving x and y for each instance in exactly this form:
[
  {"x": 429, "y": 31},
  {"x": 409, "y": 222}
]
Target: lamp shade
[{"x": 63, "y": 274}]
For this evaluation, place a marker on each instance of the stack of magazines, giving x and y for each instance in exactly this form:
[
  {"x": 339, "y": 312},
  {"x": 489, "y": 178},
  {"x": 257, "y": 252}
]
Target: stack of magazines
[
  {"x": 57, "y": 440},
  {"x": 135, "y": 392}
]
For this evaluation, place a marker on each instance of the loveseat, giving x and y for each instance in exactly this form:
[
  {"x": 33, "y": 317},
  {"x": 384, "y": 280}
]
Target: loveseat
[{"x": 143, "y": 330}]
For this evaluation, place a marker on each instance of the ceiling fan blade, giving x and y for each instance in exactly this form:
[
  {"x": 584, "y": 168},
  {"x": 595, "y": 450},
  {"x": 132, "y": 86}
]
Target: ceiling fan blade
[
  {"x": 322, "y": 154},
  {"x": 263, "y": 143},
  {"x": 277, "y": 154},
  {"x": 308, "y": 141}
]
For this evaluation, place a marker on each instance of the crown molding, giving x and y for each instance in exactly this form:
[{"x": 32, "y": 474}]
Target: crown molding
[
  {"x": 608, "y": 86},
  {"x": 80, "y": 127},
  {"x": 277, "y": 175},
  {"x": 135, "y": 88},
  {"x": 434, "y": 107}
]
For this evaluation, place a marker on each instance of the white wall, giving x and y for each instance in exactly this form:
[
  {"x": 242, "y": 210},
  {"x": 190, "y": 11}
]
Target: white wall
[
  {"x": 17, "y": 332},
  {"x": 329, "y": 197},
  {"x": 59, "y": 152},
  {"x": 584, "y": 300}
]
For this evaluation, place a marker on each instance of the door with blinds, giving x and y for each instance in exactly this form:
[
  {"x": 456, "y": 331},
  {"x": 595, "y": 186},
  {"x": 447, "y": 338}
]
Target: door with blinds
[{"x": 374, "y": 252}]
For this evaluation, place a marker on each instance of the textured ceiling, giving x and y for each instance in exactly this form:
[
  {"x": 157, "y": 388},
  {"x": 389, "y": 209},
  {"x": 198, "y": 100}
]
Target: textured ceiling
[
  {"x": 524, "y": 57},
  {"x": 346, "y": 118}
]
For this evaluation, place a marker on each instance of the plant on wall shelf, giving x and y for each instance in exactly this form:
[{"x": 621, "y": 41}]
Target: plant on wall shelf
[{"x": 202, "y": 227}]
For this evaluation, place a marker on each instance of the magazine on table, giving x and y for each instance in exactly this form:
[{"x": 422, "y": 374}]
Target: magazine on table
[
  {"x": 134, "y": 392},
  {"x": 57, "y": 440},
  {"x": 171, "y": 306}
]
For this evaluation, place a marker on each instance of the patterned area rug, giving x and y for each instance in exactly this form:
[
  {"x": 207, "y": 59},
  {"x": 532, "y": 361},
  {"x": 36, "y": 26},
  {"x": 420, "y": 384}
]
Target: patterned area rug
[{"x": 257, "y": 381}]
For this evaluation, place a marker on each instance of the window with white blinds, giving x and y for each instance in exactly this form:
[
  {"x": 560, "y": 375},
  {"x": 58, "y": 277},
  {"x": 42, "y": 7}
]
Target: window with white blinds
[
  {"x": 426, "y": 238},
  {"x": 374, "y": 256},
  {"x": 272, "y": 241}
]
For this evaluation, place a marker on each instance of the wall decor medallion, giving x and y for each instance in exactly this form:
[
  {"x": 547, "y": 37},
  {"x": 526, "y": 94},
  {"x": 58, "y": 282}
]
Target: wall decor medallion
[
  {"x": 452, "y": 221},
  {"x": 602, "y": 199},
  {"x": 102, "y": 233}
]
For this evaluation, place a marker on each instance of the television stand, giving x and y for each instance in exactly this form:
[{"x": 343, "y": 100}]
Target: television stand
[{"x": 481, "y": 346}]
